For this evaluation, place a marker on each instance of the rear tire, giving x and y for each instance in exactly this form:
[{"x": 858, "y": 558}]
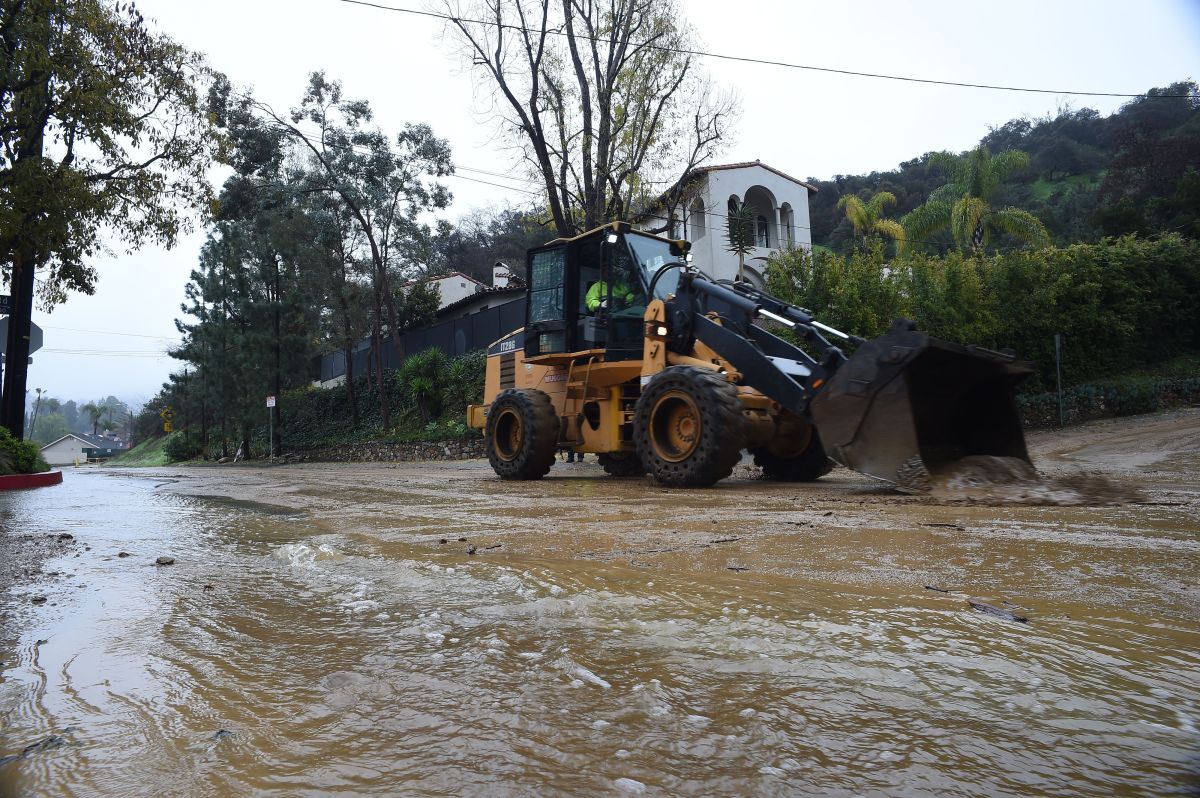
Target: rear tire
[
  {"x": 807, "y": 466},
  {"x": 522, "y": 434},
  {"x": 622, "y": 464},
  {"x": 689, "y": 427}
]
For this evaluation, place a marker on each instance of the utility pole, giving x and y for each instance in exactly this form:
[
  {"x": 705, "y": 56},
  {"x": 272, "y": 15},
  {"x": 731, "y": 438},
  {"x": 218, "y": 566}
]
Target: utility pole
[{"x": 37, "y": 407}]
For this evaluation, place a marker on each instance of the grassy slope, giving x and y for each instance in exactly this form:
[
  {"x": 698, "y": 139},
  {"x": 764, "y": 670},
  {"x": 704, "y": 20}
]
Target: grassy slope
[{"x": 147, "y": 453}]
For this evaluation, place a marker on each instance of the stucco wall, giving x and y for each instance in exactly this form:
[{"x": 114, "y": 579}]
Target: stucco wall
[
  {"x": 708, "y": 251},
  {"x": 64, "y": 452},
  {"x": 725, "y": 183},
  {"x": 454, "y": 287}
]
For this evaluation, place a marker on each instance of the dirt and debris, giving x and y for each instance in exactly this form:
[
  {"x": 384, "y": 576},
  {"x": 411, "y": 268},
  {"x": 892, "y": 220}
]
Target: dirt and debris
[
  {"x": 990, "y": 607},
  {"x": 1010, "y": 480}
]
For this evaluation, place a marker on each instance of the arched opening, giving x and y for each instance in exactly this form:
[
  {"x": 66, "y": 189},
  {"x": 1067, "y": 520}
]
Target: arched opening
[
  {"x": 763, "y": 202},
  {"x": 733, "y": 204},
  {"x": 762, "y": 232},
  {"x": 696, "y": 226},
  {"x": 787, "y": 224}
]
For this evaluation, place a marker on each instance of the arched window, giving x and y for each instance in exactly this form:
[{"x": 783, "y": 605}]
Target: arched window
[
  {"x": 787, "y": 221},
  {"x": 734, "y": 205},
  {"x": 696, "y": 225},
  {"x": 764, "y": 230}
]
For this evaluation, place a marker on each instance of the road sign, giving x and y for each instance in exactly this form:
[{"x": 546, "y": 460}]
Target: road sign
[
  {"x": 166, "y": 426},
  {"x": 270, "y": 401},
  {"x": 5, "y": 304},
  {"x": 167, "y": 414},
  {"x": 35, "y": 336}
]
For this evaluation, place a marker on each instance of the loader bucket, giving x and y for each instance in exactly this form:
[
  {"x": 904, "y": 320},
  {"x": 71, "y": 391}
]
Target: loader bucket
[{"x": 906, "y": 406}]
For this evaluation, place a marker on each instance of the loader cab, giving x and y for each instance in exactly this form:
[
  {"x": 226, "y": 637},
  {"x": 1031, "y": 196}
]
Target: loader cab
[{"x": 590, "y": 292}]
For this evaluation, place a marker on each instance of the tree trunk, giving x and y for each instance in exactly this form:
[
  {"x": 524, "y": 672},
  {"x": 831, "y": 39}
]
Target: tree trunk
[
  {"x": 16, "y": 367},
  {"x": 350, "y": 395},
  {"x": 276, "y": 443},
  {"x": 29, "y": 106}
]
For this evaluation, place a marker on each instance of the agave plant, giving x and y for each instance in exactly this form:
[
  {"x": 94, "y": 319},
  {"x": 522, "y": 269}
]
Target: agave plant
[
  {"x": 739, "y": 232},
  {"x": 963, "y": 204}
]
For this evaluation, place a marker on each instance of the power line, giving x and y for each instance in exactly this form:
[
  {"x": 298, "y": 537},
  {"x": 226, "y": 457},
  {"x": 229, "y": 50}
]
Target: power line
[
  {"x": 104, "y": 353},
  {"x": 110, "y": 332},
  {"x": 761, "y": 61},
  {"x": 314, "y": 137}
]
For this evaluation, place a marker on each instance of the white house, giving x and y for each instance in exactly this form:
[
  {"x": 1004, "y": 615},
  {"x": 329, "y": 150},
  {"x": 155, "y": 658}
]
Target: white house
[
  {"x": 780, "y": 204},
  {"x": 454, "y": 287},
  {"x": 79, "y": 448}
]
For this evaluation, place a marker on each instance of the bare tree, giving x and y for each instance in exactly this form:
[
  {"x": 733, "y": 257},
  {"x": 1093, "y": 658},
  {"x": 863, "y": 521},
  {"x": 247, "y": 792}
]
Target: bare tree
[{"x": 603, "y": 99}]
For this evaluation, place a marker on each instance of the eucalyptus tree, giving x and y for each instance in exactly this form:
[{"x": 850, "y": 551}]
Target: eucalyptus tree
[
  {"x": 867, "y": 217},
  {"x": 253, "y": 301},
  {"x": 103, "y": 127},
  {"x": 383, "y": 184},
  {"x": 963, "y": 204},
  {"x": 604, "y": 101}
]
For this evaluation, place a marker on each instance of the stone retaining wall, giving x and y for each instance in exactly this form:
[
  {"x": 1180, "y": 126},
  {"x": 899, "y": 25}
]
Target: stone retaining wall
[{"x": 385, "y": 451}]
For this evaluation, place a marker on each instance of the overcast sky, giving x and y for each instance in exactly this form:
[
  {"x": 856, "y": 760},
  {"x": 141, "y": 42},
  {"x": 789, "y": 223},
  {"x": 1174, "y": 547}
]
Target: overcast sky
[{"x": 806, "y": 123}]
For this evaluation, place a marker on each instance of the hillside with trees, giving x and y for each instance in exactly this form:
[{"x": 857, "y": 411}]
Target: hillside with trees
[{"x": 1087, "y": 176}]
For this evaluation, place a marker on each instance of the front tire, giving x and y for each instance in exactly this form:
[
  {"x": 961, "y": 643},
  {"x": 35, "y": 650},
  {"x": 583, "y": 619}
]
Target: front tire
[
  {"x": 522, "y": 434},
  {"x": 808, "y": 465},
  {"x": 689, "y": 428}
]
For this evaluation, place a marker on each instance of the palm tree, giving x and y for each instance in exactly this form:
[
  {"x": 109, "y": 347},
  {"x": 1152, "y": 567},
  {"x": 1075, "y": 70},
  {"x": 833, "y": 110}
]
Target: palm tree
[
  {"x": 95, "y": 412},
  {"x": 963, "y": 204},
  {"x": 867, "y": 218}
]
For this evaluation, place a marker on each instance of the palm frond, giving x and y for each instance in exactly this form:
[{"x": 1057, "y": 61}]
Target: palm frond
[
  {"x": 1008, "y": 162},
  {"x": 1021, "y": 224},
  {"x": 856, "y": 212},
  {"x": 877, "y": 203},
  {"x": 925, "y": 220},
  {"x": 890, "y": 228},
  {"x": 964, "y": 218}
]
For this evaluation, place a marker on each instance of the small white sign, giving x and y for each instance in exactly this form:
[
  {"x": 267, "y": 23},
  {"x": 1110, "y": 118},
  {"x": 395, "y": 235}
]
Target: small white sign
[{"x": 270, "y": 401}]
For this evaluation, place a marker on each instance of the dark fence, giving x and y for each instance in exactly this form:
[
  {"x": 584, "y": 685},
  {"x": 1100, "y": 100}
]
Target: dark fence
[{"x": 453, "y": 336}]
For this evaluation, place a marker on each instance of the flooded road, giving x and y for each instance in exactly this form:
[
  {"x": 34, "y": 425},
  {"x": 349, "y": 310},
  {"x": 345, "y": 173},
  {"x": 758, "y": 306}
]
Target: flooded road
[{"x": 315, "y": 636}]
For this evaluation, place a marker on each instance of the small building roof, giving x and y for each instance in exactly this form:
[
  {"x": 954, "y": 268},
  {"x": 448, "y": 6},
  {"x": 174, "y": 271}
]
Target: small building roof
[
  {"x": 475, "y": 297},
  {"x": 699, "y": 170},
  {"x": 90, "y": 441},
  {"x": 436, "y": 278}
]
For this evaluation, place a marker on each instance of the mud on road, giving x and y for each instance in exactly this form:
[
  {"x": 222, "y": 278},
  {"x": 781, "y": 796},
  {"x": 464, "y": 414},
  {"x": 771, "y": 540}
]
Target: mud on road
[
  {"x": 427, "y": 629},
  {"x": 843, "y": 529}
]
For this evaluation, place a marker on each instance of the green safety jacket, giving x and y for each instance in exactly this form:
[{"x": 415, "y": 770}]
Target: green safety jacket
[{"x": 600, "y": 291}]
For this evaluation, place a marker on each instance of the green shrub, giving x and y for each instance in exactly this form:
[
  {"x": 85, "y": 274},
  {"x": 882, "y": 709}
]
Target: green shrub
[
  {"x": 1120, "y": 304},
  {"x": 19, "y": 457},
  {"x": 180, "y": 447},
  {"x": 1124, "y": 396},
  {"x": 321, "y": 416},
  {"x": 422, "y": 382}
]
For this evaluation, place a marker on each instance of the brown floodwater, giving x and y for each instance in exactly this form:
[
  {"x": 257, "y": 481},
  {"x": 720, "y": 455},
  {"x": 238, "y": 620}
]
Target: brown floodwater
[{"x": 314, "y": 636}]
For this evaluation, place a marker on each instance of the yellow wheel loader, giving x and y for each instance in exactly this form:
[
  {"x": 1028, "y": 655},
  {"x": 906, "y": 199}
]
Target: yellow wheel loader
[{"x": 629, "y": 353}]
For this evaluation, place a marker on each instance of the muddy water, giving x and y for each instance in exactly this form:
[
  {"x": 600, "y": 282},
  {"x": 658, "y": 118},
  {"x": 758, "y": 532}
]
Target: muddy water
[{"x": 313, "y": 637}]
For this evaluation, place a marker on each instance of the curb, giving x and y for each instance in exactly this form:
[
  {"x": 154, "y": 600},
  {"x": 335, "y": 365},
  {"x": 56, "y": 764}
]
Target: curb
[{"x": 24, "y": 481}]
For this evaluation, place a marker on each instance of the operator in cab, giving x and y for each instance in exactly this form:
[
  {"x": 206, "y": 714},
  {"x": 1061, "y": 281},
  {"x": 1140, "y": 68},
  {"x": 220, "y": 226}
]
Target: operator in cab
[{"x": 601, "y": 295}]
